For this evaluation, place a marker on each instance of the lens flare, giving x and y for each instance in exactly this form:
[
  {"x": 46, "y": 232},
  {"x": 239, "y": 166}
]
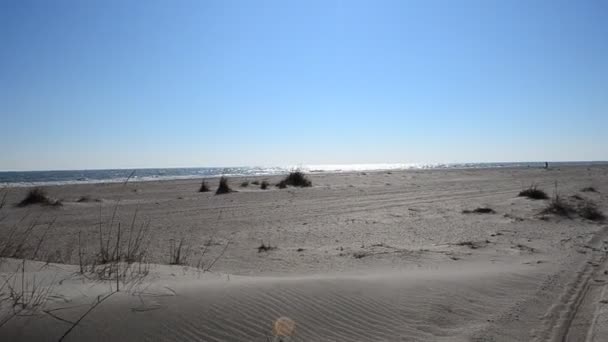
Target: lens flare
[{"x": 283, "y": 327}]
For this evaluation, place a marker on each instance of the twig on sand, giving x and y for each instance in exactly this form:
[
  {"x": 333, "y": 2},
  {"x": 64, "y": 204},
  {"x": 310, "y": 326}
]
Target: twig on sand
[
  {"x": 218, "y": 256},
  {"x": 50, "y": 313}
]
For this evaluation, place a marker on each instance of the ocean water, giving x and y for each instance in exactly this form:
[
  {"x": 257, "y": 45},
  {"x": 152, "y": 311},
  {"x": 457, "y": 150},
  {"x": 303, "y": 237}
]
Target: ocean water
[{"x": 31, "y": 178}]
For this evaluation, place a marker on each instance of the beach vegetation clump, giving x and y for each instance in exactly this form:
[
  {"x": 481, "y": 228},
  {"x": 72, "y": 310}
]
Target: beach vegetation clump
[
  {"x": 87, "y": 198},
  {"x": 178, "y": 254},
  {"x": 296, "y": 178},
  {"x": 38, "y": 196},
  {"x": 470, "y": 244},
  {"x": 360, "y": 254},
  {"x": 590, "y": 211},
  {"x": 265, "y": 247},
  {"x": 533, "y": 193},
  {"x": 589, "y": 189},
  {"x": 264, "y": 185},
  {"x": 223, "y": 188},
  {"x": 84, "y": 198},
  {"x": 256, "y": 182},
  {"x": 204, "y": 187},
  {"x": 558, "y": 207},
  {"x": 244, "y": 184},
  {"x": 3, "y": 200},
  {"x": 481, "y": 210}
]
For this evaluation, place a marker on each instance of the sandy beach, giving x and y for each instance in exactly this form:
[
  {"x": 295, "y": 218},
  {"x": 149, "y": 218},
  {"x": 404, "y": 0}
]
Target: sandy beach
[{"x": 362, "y": 256}]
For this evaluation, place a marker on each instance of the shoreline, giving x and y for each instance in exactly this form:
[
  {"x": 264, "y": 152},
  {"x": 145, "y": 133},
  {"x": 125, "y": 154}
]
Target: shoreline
[{"x": 281, "y": 171}]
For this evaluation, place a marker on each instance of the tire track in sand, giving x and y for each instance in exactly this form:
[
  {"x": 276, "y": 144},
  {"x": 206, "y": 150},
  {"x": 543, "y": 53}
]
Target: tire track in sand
[{"x": 573, "y": 317}]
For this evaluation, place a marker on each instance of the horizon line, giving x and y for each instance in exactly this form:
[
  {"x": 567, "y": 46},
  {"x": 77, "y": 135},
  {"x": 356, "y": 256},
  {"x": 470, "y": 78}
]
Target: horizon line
[{"x": 308, "y": 164}]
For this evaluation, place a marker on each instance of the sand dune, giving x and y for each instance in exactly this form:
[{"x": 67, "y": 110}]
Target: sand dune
[{"x": 420, "y": 305}]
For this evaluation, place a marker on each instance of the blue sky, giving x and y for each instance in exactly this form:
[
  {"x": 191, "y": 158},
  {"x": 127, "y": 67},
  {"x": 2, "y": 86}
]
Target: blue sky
[{"x": 105, "y": 84}]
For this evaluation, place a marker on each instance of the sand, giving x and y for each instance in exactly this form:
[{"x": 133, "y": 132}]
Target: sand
[{"x": 376, "y": 256}]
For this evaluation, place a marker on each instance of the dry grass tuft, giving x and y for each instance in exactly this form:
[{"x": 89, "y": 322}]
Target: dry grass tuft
[
  {"x": 483, "y": 210},
  {"x": 265, "y": 248},
  {"x": 3, "y": 200},
  {"x": 223, "y": 188},
  {"x": 296, "y": 178},
  {"x": 86, "y": 198},
  {"x": 559, "y": 207},
  {"x": 178, "y": 254},
  {"x": 38, "y": 196},
  {"x": 22, "y": 295},
  {"x": 533, "y": 193},
  {"x": 590, "y": 211},
  {"x": 204, "y": 187},
  {"x": 360, "y": 255}
]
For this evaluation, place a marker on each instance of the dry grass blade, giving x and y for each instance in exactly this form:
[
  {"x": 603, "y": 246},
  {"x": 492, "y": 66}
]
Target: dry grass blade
[
  {"x": 97, "y": 303},
  {"x": 178, "y": 254},
  {"x": 42, "y": 238},
  {"x": 3, "y": 200},
  {"x": 208, "y": 268}
]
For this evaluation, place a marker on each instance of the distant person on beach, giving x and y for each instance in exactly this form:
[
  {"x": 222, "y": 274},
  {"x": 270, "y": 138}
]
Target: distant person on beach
[{"x": 546, "y": 165}]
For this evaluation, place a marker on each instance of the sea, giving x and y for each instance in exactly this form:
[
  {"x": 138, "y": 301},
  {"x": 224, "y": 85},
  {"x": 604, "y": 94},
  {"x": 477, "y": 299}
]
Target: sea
[{"x": 59, "y": 177}]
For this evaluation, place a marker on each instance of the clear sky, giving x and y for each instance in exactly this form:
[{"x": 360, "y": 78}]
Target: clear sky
[{"x": 105, "y": 84}]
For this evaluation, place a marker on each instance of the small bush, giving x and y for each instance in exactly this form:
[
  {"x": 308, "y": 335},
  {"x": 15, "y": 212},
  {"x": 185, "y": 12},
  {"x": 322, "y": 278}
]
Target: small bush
[
  {"x": 38, "y": 196},
  {"x": 255, "y": 182},
  {"x": 204, "y": 187},
  {"x": 589, "y": 189},
  {"x": 223, "y": 188},
  {"x": 470, "y": 244},
  {"x": 264, "y": 185},
  {"x": 360, "y": 255},
  {"x": 282, "y": 184},
  {"x": 297, "y": 178},
  {"x": 244, "y": 184},
  {"x": 590, "y": 211},
  {"x": 480, "y": 211},
  {"x": 558, "y": 207},
  {"x": 533, "y": 193},
  {"x": 265, "y": 248}
]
